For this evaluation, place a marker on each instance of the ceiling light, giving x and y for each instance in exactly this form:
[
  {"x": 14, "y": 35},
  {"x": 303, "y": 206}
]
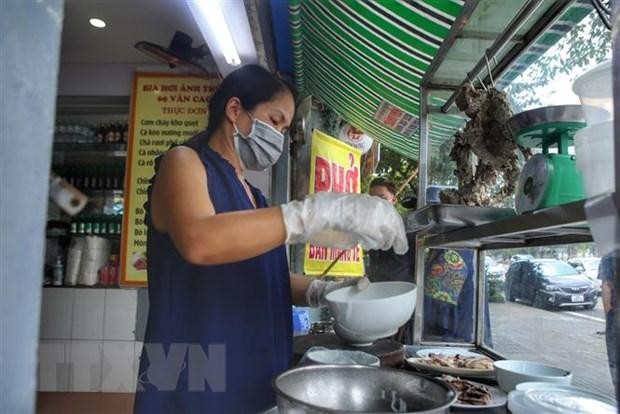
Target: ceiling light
[
  {"x": 98, "y": 23},
  {"x": 215, "y": 18}
]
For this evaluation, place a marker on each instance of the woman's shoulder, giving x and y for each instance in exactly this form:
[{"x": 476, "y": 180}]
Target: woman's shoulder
[
  {"x": 177, "y": 165},
  {"x": 181, "y": 156}
]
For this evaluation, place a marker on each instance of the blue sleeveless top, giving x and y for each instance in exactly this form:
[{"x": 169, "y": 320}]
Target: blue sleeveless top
[{"x": 216, "y": 335}]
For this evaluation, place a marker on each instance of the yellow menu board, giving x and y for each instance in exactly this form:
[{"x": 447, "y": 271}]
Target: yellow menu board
[
  {"x": 334, "y": 166},
  {"x": 166, "y": 109}
]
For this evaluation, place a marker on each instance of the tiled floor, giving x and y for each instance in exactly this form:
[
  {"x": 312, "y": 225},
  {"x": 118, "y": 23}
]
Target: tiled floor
[{"x": 84, "y": 403}]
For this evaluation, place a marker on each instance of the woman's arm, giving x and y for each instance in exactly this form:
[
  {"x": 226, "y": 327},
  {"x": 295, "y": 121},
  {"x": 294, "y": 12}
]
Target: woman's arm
[
  {"x": 299, "y": 285},
  {"x": 181, "y": 207},
  {"x": 606, "y": 293}
]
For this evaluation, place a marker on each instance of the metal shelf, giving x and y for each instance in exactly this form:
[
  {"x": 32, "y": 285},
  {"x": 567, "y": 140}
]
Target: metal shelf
[
  {"x": 105, "y": 192},
  {"x": 68, "y": 148},
  {"x": 564, "y": 224},
  {"x": 84, "y": 287}
]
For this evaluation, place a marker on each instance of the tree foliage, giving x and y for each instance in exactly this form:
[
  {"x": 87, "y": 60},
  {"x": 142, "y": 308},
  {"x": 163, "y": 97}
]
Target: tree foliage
[
  {"x": 394, "y": 166},
  {"x": 441, "y": 167},
  {"x": 588, "y": 43}
]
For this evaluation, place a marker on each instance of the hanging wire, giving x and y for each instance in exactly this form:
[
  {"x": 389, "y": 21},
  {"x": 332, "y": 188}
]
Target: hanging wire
[
  {"x": 486, "y": 58},
  {"x": 603, "y": 9},
  {"x": 482, "y": 83}
]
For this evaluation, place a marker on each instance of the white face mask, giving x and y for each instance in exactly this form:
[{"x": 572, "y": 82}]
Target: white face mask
[{"x": 261, "y": 148}]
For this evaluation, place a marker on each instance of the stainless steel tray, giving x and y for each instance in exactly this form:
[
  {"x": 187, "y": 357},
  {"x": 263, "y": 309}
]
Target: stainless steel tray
[
  {"x": 544, "y": 115},
  {"x": 439, "y": 218}
]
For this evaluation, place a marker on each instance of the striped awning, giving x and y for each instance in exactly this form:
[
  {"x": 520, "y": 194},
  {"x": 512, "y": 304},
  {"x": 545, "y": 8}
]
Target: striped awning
[{"x": 365, "y": 60}]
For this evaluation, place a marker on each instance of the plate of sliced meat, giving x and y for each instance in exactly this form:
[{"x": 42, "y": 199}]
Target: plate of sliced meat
[
  {"x": 425, "y": 353},
  {"x": 479, "y": 366},
  {"x": 474, "y": 395}
]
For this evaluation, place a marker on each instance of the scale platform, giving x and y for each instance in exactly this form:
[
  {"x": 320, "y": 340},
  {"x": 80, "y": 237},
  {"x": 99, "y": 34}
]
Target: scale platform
[
  {"x": 548, "y": 179},
  {"x": 544, "y": 127}
]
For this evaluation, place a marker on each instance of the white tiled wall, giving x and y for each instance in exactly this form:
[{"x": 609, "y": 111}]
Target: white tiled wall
[
  {"x": 137, "y": 352},
  {"x": 56, "y": 313},
  {"x": 53, "y": 369},
  {"x": 118, "y": 367},
  {"x": 120, "y": 315},
  {"x": 88, "y": 341},
  {"x": 85, "y": 359},
  {"x": 88, "y": 311}
]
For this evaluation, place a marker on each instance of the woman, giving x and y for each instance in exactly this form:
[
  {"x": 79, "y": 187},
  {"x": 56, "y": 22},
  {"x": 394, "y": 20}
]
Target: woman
[{"x": 219, "y": 324}]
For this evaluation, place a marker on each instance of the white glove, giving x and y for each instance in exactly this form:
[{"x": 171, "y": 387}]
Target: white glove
[
  {"x": 318, "y": 289},
  {"x": 344, "y": 220}
]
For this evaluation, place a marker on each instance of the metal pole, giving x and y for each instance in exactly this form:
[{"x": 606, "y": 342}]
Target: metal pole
[
  {"x": 549, "y": 18},
  {"x": 524, "y": 13},
  {"x": 423, "y": 150},
  {"x": 480, "y": 289},
  {"x": 455, "y": 32},
  {"x": 422, "y": 184},
  {"x": 418, "y": 316}
]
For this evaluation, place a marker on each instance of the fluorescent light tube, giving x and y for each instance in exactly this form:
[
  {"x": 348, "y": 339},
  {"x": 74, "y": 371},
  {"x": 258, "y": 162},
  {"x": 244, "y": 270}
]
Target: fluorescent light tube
[
  {"x": 226, "y": 29},
  {"x": 214, "y": 28}
]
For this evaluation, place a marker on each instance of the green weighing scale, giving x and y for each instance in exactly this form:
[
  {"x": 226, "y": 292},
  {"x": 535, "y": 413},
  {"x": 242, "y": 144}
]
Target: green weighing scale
[{"x": 548, "y": 179}]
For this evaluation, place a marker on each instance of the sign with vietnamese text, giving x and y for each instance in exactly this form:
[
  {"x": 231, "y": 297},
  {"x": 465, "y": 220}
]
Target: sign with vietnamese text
[
  {"x": 166, "y": 109},
  {"x": 335, "y": 166}
]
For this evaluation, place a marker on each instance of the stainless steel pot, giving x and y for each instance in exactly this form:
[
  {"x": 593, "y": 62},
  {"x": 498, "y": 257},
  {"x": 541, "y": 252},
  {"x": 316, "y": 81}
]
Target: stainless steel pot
[{"x": 359, "y": 389}]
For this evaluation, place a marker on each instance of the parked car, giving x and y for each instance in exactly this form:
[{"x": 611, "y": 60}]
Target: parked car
[
  {"x": 519, "y": 257},
  {"x": 588, "y": 266},
  {"x": 549, "y": 283}
]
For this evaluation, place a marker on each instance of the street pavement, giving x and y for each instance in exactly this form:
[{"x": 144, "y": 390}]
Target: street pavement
[{"x": 570, "y": 339}]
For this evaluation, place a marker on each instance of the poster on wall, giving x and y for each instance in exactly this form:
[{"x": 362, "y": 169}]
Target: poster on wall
[
  {"x": 334, "y": 166},
  {"x": 166, "y": 109}
]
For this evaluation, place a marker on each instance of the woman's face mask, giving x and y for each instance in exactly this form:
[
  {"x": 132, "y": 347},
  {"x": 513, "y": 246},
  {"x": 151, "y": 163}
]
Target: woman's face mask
[{"x": 261, "y": 148}]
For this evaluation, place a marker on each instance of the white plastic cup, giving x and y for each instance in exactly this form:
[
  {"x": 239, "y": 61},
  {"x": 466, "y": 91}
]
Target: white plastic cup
[
  {"x": 95, "y": 256},
  {"x": 74, "y": 257},
  {"x": 594, "y": 89},
  {"x": 594, "y": 150}
]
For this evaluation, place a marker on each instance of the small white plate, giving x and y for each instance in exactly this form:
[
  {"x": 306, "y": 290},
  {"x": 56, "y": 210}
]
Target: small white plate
[
  {"x": 425, "y": 353},
  {"x": 500, "y": 398},
  {"x": 460, "y": 372}
]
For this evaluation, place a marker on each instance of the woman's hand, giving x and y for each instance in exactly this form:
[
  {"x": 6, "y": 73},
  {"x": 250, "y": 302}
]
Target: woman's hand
[
  {"x": 343, "y": 220},
  {"x": 318, "y": 289}
]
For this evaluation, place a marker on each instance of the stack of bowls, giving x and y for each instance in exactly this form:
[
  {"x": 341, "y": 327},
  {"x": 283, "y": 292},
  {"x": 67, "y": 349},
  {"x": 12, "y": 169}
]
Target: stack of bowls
[
  {"x": 510, "y": 373},
  {"x": 594, "y": 144}
]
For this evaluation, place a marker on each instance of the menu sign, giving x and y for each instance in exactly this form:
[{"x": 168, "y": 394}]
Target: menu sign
[{"x": 166, "y": 109}]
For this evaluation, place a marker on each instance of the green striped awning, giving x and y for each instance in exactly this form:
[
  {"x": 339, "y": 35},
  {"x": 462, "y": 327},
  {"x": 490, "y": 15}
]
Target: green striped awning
[{"x": 362, "y": 58}]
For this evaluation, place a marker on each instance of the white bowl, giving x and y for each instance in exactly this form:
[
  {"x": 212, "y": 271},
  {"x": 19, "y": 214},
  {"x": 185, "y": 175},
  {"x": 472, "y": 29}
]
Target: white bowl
[
  {"x": 594, "y": 88},
  {"x": 363, "y": 316},
  {"x": 594, "y": 149},
  {"x": 509, "y": 373},
  {"x": 342, "y": 357}
]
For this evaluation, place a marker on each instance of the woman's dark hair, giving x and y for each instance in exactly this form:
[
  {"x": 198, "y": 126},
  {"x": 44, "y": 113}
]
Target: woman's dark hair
[{"x": 252, "y": 84}]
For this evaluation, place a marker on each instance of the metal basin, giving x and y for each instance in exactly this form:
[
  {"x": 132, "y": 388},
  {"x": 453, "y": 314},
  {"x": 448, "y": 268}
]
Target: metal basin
[{"x": 359, "y": 389}]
